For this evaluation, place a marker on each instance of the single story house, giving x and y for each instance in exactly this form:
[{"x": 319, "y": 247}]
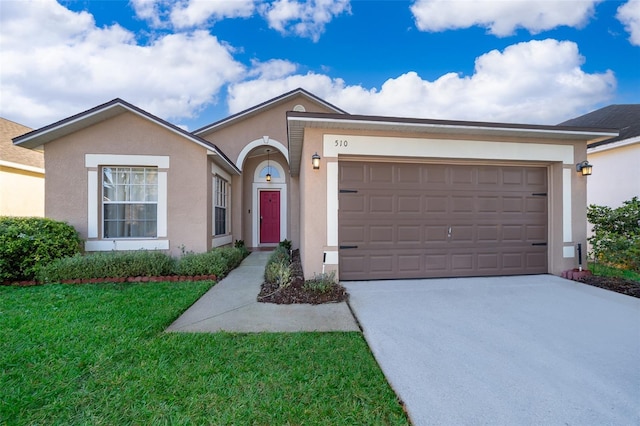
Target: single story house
[
  {"x": 369, "y": 197},
  {"x": 614, "y": 160},
  {"x": 21, "y": 174}
]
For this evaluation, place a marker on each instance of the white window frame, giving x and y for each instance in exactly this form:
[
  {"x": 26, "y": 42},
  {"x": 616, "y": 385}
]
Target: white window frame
[
  {"x": 220, "y": 200},
  {"x": 95, "y": 241},
  {"x": 222, "y": 239},
  {"x": 119, "y": 169}
]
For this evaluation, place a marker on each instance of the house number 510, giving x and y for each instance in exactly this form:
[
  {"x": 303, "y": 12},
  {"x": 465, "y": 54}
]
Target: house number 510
[{"x": 341, "y": 143}]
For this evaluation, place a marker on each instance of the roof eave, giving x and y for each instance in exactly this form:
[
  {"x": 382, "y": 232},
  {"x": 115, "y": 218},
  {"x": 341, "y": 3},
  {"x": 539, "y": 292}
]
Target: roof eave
[
  {"x": 40, "y": 137},
  {"x": 297, "y": 122}
]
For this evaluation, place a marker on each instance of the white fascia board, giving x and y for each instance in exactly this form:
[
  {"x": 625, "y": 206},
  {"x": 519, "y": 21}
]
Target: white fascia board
[
  {"x": 614, "y": 145},
  {"x": 21, "y": 167},
  {"x": 582, "y": 134}
]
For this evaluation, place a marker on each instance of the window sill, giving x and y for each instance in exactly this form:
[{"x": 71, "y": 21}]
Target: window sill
[
  {"x": 221, "y": 240},
  {"x": 126, "y": 244}
]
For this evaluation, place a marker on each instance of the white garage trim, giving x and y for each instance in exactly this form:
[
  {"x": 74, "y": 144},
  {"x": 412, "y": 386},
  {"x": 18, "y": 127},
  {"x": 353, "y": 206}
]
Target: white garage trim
[{"x": 334, "y": 145}]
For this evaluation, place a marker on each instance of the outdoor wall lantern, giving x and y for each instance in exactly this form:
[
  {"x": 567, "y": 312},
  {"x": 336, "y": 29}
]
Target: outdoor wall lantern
[
  {"x": 315, "y": 161},
  {"x": 585, "y": 168},
  {"x": 268, "y": 167}
]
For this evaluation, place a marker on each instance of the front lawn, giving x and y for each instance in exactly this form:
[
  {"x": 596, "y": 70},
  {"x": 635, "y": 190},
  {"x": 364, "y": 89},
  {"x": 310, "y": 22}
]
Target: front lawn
[{"x": 97, "y": 354}]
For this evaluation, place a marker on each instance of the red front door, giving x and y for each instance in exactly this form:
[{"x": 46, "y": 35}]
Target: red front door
[{"x": 269, "y": 216}]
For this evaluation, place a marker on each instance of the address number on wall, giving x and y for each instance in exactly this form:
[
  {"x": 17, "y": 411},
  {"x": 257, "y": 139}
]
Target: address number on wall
[{"x": 341, "y": 143}]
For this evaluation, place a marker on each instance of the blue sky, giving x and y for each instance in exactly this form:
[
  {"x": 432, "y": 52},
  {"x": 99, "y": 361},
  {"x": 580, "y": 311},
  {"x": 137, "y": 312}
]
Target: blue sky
[{"x": 194, "y": 62}]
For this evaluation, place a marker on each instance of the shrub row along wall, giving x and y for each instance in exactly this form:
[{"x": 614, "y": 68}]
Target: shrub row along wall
[{"x": 44, "y": 251}]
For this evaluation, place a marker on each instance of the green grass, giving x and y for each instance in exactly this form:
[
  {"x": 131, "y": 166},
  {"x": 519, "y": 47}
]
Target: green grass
[
  {"x": 97, "y": 355},
  {"x": 608, "y": 271}
]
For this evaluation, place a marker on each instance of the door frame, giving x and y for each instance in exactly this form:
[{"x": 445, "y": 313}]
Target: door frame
[{"x": 258, "y": 187}]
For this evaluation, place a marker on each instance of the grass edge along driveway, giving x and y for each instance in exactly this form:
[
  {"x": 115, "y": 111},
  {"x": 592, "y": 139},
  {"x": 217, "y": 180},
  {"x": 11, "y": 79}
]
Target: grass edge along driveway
[{"x": 97, "y": 354}]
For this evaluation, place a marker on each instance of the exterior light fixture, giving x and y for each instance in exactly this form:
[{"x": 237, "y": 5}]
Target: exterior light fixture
[
  {"x": 585, "y": 168},
  {"x": 268, "y": 167},
  {"x": 315, "y": 161}
]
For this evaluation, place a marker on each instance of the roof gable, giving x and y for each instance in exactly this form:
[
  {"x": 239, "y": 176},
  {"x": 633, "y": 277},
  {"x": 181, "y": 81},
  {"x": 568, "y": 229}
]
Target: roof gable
[
  {"x": 103, "y": 112},
  {"x": 257, "y": 109}
]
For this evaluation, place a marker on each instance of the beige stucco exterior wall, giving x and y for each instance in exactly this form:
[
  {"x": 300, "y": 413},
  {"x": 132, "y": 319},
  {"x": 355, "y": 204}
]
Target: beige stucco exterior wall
[
  {"x": 21, "y": 191},
  {"x": 188, "y": 176},
  {"x": 614, "y": 179},
  {"x": 233, "y": 139},
  {"x": 566, "y": 188}
]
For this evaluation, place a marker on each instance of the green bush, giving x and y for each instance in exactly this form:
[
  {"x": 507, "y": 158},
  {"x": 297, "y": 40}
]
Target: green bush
[
  {"x": 239, "y": 244},
  {"x": 28, "y": 243},
  {"x": 616, "y": 234},
  {"x": 217, "y": 262},
  {"x": 108, "y": 265},
  {"x": 142, "y": 263}
]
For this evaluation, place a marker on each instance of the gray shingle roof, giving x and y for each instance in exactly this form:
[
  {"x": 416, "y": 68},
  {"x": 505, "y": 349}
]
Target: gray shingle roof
[{"x": 624, "y": 117}]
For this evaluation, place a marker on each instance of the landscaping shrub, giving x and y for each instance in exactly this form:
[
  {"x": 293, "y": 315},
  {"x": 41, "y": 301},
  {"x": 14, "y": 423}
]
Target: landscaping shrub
[
  {"x": 217, "y": 262},
  {"x": 321, "y": 283},
  {"x": 239, "y": 244},
  {"x": 278, "y": 268},
  {"x": 142, "y": 263},
  {"x": 108, "y": 265},
  {"x": 28, "y": 243},
  {"x": 286, "y": 244},
  {"x": 616, "y": 234}
]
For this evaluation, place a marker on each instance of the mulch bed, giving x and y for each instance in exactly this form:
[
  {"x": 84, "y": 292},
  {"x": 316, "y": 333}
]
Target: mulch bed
[
  {"x": 296, "y": 293},
  {"x": 619, "y": 285}
]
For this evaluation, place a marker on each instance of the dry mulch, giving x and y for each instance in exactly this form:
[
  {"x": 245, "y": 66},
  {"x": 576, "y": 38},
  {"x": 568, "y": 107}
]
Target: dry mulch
[
  {"x": 296, "y": 291},
  {"x": 619, "y": 285}
]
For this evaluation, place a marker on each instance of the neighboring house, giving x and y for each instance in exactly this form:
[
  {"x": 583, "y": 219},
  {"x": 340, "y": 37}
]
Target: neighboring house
[
  {"x": 21, "y": 174},
  {"x": 389, "y": 198},
  {"x": 614, "y": 160}
]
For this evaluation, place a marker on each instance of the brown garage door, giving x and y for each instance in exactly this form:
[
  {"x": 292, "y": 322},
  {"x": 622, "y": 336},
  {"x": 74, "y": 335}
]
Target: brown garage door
[{"x": 401, "y": 220}]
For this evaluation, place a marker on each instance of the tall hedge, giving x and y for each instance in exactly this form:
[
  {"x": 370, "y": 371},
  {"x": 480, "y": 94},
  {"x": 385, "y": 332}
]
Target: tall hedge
[{"x": 26, "y": 243}]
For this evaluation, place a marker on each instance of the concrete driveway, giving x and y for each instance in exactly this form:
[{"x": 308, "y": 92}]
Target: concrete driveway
[{"x": 527, "y": 350}]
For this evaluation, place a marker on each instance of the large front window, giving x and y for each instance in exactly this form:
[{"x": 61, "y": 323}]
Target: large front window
[{"x": 130, "y": 202}]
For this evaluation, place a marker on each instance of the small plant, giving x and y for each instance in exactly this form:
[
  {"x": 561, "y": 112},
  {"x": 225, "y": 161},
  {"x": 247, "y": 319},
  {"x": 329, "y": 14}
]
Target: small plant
[
  {"x": 239, "y": 244},
  {"x": 286, "y": 244},
  {"x": 278, "y": 273},
  {"x": 278, "y": 268},
  {"x": 321, "y": 283}
]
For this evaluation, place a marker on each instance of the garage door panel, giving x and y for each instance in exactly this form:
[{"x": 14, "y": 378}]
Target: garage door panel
[
  {"x": 414, "y": 220},
  {"x": 353, "y": 204},
  {"x": 380, "y": 234}
]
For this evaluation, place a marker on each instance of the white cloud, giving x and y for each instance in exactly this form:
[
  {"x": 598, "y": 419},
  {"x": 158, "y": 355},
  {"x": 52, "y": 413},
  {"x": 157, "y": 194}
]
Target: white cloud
[
  {"x": 274, "y": 68},
  {"x": 532, "y": 82},
  {"x": 148, "y": 10},
  {"x": 193, "y": 13},
  {"x": 501, "y": 17},
  {"x": 303, "y": 18},
  {"x": 629, "y": 15},
  {"x": 61, "y": 63},
  {"x": 186, "y": 14}
]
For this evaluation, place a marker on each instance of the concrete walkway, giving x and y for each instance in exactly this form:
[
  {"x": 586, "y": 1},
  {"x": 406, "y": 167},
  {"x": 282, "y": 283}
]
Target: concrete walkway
[{"x": 231, "y": 305}]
